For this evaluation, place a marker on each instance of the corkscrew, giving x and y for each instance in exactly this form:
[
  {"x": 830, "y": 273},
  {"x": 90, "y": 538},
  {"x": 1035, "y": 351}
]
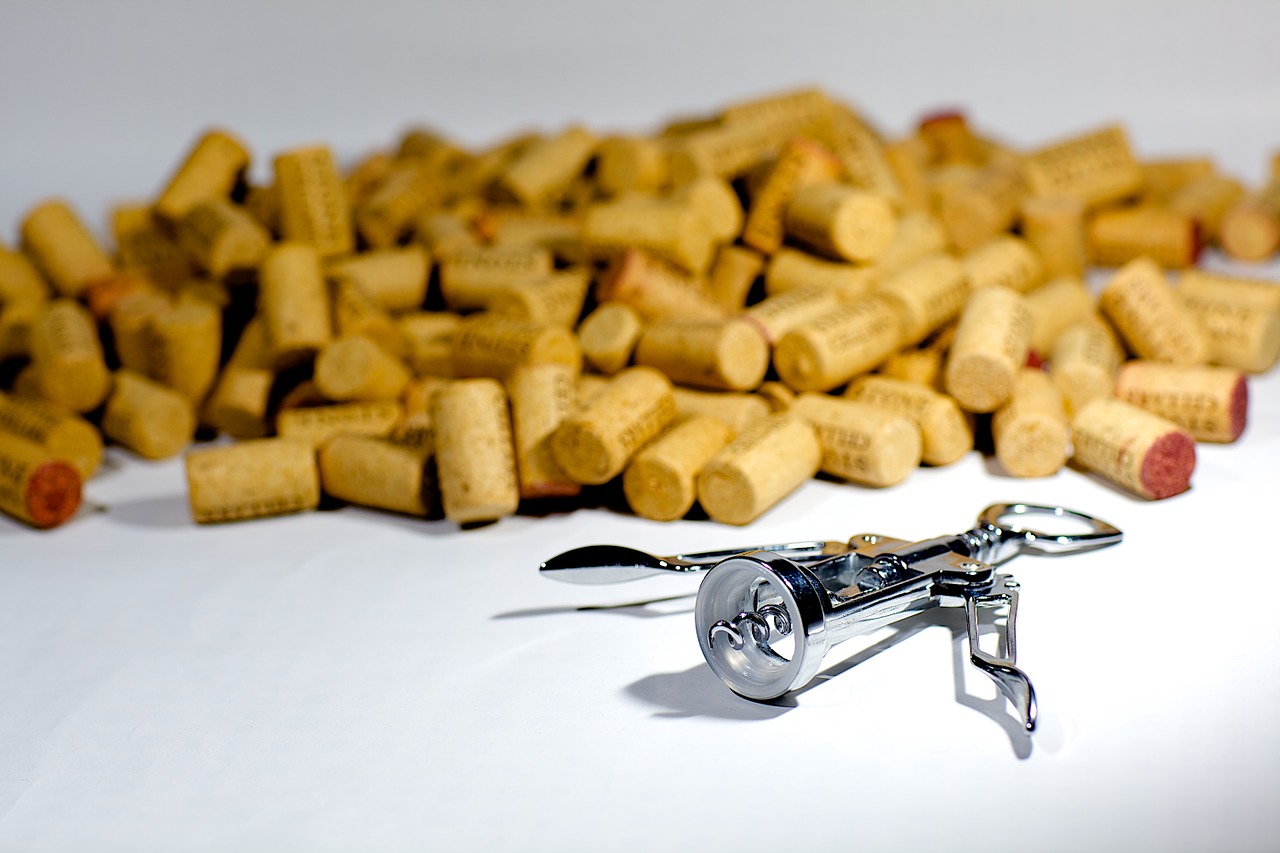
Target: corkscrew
[{"x": 766, "y": 616}]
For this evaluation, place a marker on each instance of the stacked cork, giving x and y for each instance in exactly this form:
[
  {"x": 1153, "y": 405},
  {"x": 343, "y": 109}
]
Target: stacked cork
[{"x": 707, "y": 316}]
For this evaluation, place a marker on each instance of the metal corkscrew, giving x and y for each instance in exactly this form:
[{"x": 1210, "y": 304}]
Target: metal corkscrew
[{"x": 766, "y": 616}]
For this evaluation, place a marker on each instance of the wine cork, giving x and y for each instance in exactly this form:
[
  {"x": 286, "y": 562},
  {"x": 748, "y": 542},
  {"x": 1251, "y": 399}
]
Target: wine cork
[
  {"x": 805, "y": 108},
  {"x": 800, "y": 162},
  {"x": 560, "y": 234},
  {"x": 918, "y": 236},
  {"x": 489, "y": 344},
  {"x": 68, "y": 358},
  {"x": 427, "y": 145},
  {"x": 945, "y": 432},
  {"x": 313, "y": 202},
  {"x": 1211, "y": 403},
  {"x": 676, "y": 233},
  {"x": 991, "y": 343},
  {"x": 144, "y": 246},
  {"x": 105, "y": 294},
  {"x": 732, "y": 276},
  {"x": 734, "y": 409},
  {"x": 222, "y": 237},
  {"x": 541, "y": 174},
  {"x": 833, "y": 349},
  {"x": 1054, "y": 307},
  {"x": 542, "y": 396},
  {"x": 1096, "y": 168},
  {"x": 728, "y": 355},
  {"x": 984, "y": 207},
  {"x": 356, "y": 369},
  {"x": 20, "y": 281},
  {"x": 1006, "y": 261},
  {"x": 263, "y": 203},
  {"x": 417, "y": 399},
  {"x": 475, "y": 459},
  {"x": 36, "y": 486},
  {"x": 841, "y": 221},
  {"x": 444, "y": 232},
  {"x": 1084, "y": 361},
  {"x": 949, "y": 138},
  {"x": 926, "y": 295},
  {"x": 315, "y": 425},
  {"x": 1206, "y": 200},
  {"x": 655, "y": 289},
  {"x": 556, "y": 300},
  {"x": 395, "y": 279},
  {"x": 660, "y": 483},
  {"x": 379, "y": 473},
  {"x": 1119, "y": 235},
  {"x": 390, "y": 210},
  {"x": 1162, "y": 179},
  {"x": 921, "y": 365},
  {"x": 130, "y": 321},
  {"x": 1133, "y": 448},
  {"x": 723, "y": 151},
  {"x": 366, "y": 175},
  {"x": 63, "y": 249},
  {"x": 469, "y": 278},
  {"x": 776, "y": 394},
  {"x": 1250, "y": 228},
  {"x": 428, "y": 337},
  {"x": 1054, "y": 226},
  {"x": 210, "y": 171},
  {"x": 630, "y": 163},
  {"x": 608, "y": 336},
  {"x": 1240, "y": 316},
  {"x": 16, "y": 321},
  {"x": 790, "y": 269},
  {"x": 1030, "y": 430},
  {"x": 861, "y": 154},
  {"x": 355, "y": 313},
  {"x": 716, "y": 202},
  {"x": 294, "y": 303},
  {"x": 908, "y": 160},
  {"x": 62, "y": 434},
  {"x": 776, "y": 315},
  {"x": 594, "y": 444},
  {"x": 185, "y": 347},
  {"x": 149, "y": 418},
  {"x": 759, "y": 468},
  {"x": 1150, "y": 317},
  {"x": 860, "y": 442},
  {"x": 252, "y": 479}
]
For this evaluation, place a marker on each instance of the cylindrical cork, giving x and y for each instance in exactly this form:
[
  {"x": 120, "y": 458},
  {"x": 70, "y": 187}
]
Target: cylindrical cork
[
  {"x": 675, "y": 233},
  {"x": 1084, "y": 362},
  {"x": 792, "y": 309},
  {"x": 1006, "y": 261},
  {"x": 594, "y": 444},
  {"x": 417, "y": 400},
  {"x": 630, "y": 163},
  {"x": 728, "y": 355},
  {"x": 799, "y": 162},
  {"x": 186, "y": 347},
  {"x": 841, "y": 221},
  {"x": 105, "y": 294},
  {"x": 655, "y": 289},
  {"x": 833, "y": 349},
  {"x": 62, "y": 434},
  {"x": 542, "y": 396},
  {"x": 1054, "y": 226},
  {"x": 861, "y": 442},
  {"x": 469, "y": 278},
  {"x": 1250, "y": 229},
  {"x": 949, "y": 138},
  {"x": 921, "y": 365},
  {"x": 150, "y": 419},
  {"x": 991, "y": 344},
  {"x": 239, "y": 400},
  {"x": 661, "y": 481},
  {"x": 428, "y": 338},
  {"x": 493, "y": 345},
  {"x": 732, "y": 275},
  {"x": 945, "y": 432},
  {"x": 1241, "y": 318},
  {"x": 725, "y": 151},
  {"x": 354, "y": 313},
  {"x": 1206, "y": 200},
  {"x": 358, "y": 370},
  {"x": 390, "y": 209},
  {"x": 926, "y": 295},
  {"x": 475, "y": 457},
  {"x": 294, "y": 303},
  {"x": 222, "y": 237},
  {"x": 861, "y": 153},
  {"x": 1211, "y": 403},
  {"x": 540, "y": 175},
  {"x": 210, "y": 171},
  {"x": 908, "y": 158},
  {"x": 556, "y": 300},
  {"x": 1055, "y": 306},
  {"x": 315, "y": 425},
  {"x": 715, "y": 201},
  {"x": 263, "y": 202},
  {"x": 252, "y": 479},
  {"x": 1031, "y": 431},
  {"x": 20, "y": 281},
  {"x": 918, "y": 236},
  {"x": 444, "y": 232},
  {"x": 313, "y": 201},
  {"x": 36, "y": 486},
  {"x": 1118, "y": 235},
  {"x": 983, "y": 207},
  {"x": 759, "y": 468},
  {"x": 68, "y": 358},
  {"x": 558, "y": 233},
  {"x": 1163, "y": 178},
  {"x": 792, "y": 270},
  {"x": 63, "y": 248},
  {"x": 1096, "y": 168},
  {"x": 776, "y": 394},
  {"x": 380, "y": 473},
  {"x": 1150, "y": 316},
  {"x": 734, "y": 409},
  {"x": 130, "y": 321},
  {"x": 396, "y": 279},
  {"x": 1134, "y": 448}
]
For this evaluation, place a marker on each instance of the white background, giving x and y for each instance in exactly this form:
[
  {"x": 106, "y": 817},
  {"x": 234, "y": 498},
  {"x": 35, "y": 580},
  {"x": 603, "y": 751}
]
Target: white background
[{"x": 356, "y": 681}]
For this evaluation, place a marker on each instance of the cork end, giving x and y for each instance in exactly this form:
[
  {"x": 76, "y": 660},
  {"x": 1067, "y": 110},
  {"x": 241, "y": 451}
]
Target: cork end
[
  {"x": 53, "y": 494},
  {"x": 1167, "y": 466},
  {"x": 1238, "y": 407}
]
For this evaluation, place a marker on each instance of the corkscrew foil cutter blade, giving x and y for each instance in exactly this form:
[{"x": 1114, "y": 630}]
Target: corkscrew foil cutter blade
[{"x": 767, "y": 615}]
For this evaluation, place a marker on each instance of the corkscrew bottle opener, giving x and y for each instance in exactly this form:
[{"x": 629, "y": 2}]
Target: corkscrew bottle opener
[{"x": 766, "y": 616}]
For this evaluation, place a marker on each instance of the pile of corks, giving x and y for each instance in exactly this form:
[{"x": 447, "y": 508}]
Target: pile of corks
[{"x": 709, "y": 315}]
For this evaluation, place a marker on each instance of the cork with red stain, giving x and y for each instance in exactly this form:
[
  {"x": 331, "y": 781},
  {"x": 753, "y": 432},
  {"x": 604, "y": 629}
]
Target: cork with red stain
[{"x": 1134, "y": 448}]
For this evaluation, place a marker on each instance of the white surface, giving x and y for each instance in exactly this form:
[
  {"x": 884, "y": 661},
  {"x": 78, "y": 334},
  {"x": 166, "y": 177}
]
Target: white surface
[{"x": 357, "y": 681}]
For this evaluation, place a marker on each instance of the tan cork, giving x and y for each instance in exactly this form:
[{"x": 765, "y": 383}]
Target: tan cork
[
  {"x": 833, "y": 349},
  {"x": 660, "y": 483},
  {"x": 1031, "y": 431},
  {"x": 991, "y": 345},
  {"x": 1151, "y": 318},
  {"x": 1211, "y": 403},
  {"x": 760, "y": 467},
  {"x": 861, "y": 442},
  {"x": 151, "y": 419},
  {"x": 475, "y": 457},
  {"x": 252, "y": 479},
  {"x": 63, "y": 249},
  {"x": 841, "y": 221},
  {"x": 594, "y": 444},
  {"x": 210, "y": 171},
  {"x": 1133, "y": 448},
  {"x": 542, "y": 396},
  {"x": 945, "y": 432}
]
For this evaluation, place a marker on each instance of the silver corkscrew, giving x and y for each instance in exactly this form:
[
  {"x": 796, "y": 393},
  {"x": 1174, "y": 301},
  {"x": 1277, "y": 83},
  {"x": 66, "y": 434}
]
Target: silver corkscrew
[{"x": 766, "y": 616}]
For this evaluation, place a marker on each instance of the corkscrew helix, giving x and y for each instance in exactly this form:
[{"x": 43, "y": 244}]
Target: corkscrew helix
[{"x": 766, "y": 616}]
